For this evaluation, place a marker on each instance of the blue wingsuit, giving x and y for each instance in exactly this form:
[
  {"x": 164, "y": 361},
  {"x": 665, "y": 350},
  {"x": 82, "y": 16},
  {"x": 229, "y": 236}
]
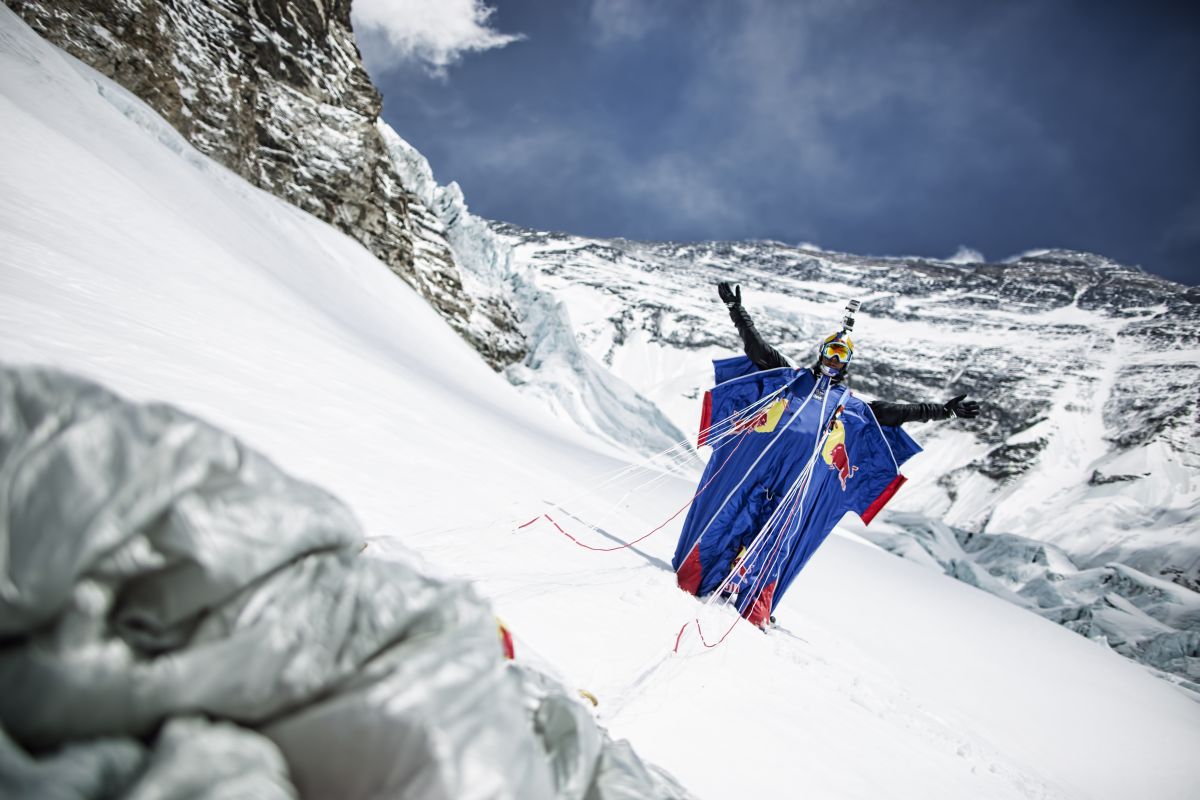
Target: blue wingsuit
[{"x": 782, "y": 474}]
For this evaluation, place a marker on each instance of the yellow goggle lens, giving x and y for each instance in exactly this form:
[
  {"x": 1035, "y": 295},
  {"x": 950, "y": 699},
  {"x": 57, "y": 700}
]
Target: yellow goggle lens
[{"x": 836, "y": 350}]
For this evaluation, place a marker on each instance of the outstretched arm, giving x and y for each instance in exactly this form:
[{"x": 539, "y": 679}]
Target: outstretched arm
[
  {"x": 900, "y": 413},
  {"x": 762, "y": 354}
]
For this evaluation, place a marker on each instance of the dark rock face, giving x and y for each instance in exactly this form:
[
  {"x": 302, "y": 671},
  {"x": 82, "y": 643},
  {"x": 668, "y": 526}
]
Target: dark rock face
[
  {"x": 277, "y": 93},
  {"x": 1154, "y": 402},
  {"x": 1010, "y": 460}
]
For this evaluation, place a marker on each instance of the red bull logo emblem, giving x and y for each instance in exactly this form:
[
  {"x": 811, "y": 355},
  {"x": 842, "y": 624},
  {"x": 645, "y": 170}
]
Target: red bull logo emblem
[
  {"x": 835, "y": 455},
  {"x": 764, "y": 421}
]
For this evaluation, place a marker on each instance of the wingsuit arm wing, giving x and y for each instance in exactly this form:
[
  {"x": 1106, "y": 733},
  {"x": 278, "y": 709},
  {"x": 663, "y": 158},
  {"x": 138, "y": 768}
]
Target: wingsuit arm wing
[
  {"x": 762, "y": 354},
  {"x": 900, "y": 413}
]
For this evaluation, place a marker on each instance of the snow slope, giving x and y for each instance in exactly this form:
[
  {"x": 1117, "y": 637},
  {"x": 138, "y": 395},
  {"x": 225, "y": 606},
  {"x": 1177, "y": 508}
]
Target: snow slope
[{"x": 128, "y": 257}]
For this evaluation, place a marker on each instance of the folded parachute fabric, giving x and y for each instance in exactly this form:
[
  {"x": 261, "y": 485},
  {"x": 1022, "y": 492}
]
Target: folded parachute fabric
[{"x": 179, "y": 618}]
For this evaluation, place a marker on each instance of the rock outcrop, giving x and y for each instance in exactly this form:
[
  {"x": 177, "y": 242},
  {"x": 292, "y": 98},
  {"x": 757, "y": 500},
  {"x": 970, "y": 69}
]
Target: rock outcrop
[{"x": 277, "y": 93}]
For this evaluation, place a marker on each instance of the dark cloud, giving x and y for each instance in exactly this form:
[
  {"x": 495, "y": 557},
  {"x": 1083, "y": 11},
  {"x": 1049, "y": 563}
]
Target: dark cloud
[{"x": 861, "y": 125}]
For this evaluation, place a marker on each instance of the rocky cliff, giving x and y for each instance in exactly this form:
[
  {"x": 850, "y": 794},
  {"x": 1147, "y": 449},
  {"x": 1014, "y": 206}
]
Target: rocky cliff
[{"x": 276, "y": 92}]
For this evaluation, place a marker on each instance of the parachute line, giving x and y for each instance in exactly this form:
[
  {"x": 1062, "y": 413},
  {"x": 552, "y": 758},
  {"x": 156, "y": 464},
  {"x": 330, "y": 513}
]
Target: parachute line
[
  {"x": 718, "y": 435},
  {"x": 790, "y": 505},
  {"x": 662, "y": 525}
]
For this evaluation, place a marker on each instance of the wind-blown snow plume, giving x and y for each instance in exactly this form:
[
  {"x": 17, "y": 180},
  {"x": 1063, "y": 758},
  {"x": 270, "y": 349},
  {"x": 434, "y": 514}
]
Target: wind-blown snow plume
[{"x": 966, "y": 255}]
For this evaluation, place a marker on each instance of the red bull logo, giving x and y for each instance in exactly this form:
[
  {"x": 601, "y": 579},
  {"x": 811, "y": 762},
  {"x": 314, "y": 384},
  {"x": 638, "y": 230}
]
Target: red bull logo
[
  {"x": 835, "y": 455},
  {"x": 764, "y": 421}
]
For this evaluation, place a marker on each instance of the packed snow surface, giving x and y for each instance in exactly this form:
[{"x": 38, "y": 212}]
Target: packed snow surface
[{"x": 128, "y": 257}]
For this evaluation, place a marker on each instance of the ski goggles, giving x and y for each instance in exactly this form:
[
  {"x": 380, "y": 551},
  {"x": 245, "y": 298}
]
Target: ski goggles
[{"x": 836, "y": 353}]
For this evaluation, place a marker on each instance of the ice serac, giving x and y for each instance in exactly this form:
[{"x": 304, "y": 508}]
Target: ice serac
[
  {"x": 554, "y": 367},
  {"x": 277, "y": 93},
  {"x": 1148, "y": 619}
]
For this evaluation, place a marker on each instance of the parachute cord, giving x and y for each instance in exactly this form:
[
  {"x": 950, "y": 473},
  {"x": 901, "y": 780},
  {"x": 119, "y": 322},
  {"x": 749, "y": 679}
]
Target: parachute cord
[
  {"x": 795, "y": 416},
  {"x": 795, "y": 496},
  {"x": 806, "y": 477},
  {"x": 730, "y": 426},
  {"x": 716, "y": 434},
  {"x": 746, "y": 560},
  {"x": 700, "y": 632},
  {"x": 740, "y": 421},
  {"x": 662, "y": 525},
  {"x": 795, "y": 506},
  {"x": 789, "y": 506}
]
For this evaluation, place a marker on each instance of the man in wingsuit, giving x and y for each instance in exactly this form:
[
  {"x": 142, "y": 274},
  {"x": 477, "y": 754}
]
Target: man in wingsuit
[{"x": 793, "y": 451}]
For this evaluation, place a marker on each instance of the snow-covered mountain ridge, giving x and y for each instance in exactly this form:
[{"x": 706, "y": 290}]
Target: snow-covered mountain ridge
[
  {"x": 1050, "y": 340},
  {"x": 1089, "y": 446}
]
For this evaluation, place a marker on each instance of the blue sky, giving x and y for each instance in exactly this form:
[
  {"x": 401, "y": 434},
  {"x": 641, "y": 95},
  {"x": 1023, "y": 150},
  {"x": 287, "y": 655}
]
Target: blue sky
[{"x": 869, "y": 126}]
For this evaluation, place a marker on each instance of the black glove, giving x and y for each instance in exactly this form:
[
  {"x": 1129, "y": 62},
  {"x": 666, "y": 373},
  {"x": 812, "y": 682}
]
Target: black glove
[
  {"x": 731, "y": 294},
  {"x": 961, "y": 407}
]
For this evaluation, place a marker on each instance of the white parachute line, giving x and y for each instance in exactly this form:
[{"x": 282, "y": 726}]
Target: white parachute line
[
  {"x": 785, "y": 503},
  {"x": 724, "y": 426},
  {"x": 606, "y": 479},
  {"x": 715, "y": 599},
  {"x": 655, "y": 479},
  {"x": 783, "y": 509},
  {"x": 750, "y": 409},
  {"x": 793, "y": 499},
  {"x": 727, "y": 427},
  {"x": 788, "y": 499},
  {"x": 781, "y": 552},
  {"x": 716, "y": 433},
  {"x": 731, "y": 426},
  {"x": 796, "y": 495},
  {"x": 618, "y": 519},
  {"x": 798, "y": 513},
  {"x": 604, "y": 513},
  {"x": 883, "y": 436},
  {"x": 795, "y": 416}
]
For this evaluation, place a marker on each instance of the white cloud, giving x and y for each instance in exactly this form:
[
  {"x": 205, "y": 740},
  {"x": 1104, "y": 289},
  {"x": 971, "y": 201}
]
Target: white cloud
[{"x": 435, "y": 33}]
